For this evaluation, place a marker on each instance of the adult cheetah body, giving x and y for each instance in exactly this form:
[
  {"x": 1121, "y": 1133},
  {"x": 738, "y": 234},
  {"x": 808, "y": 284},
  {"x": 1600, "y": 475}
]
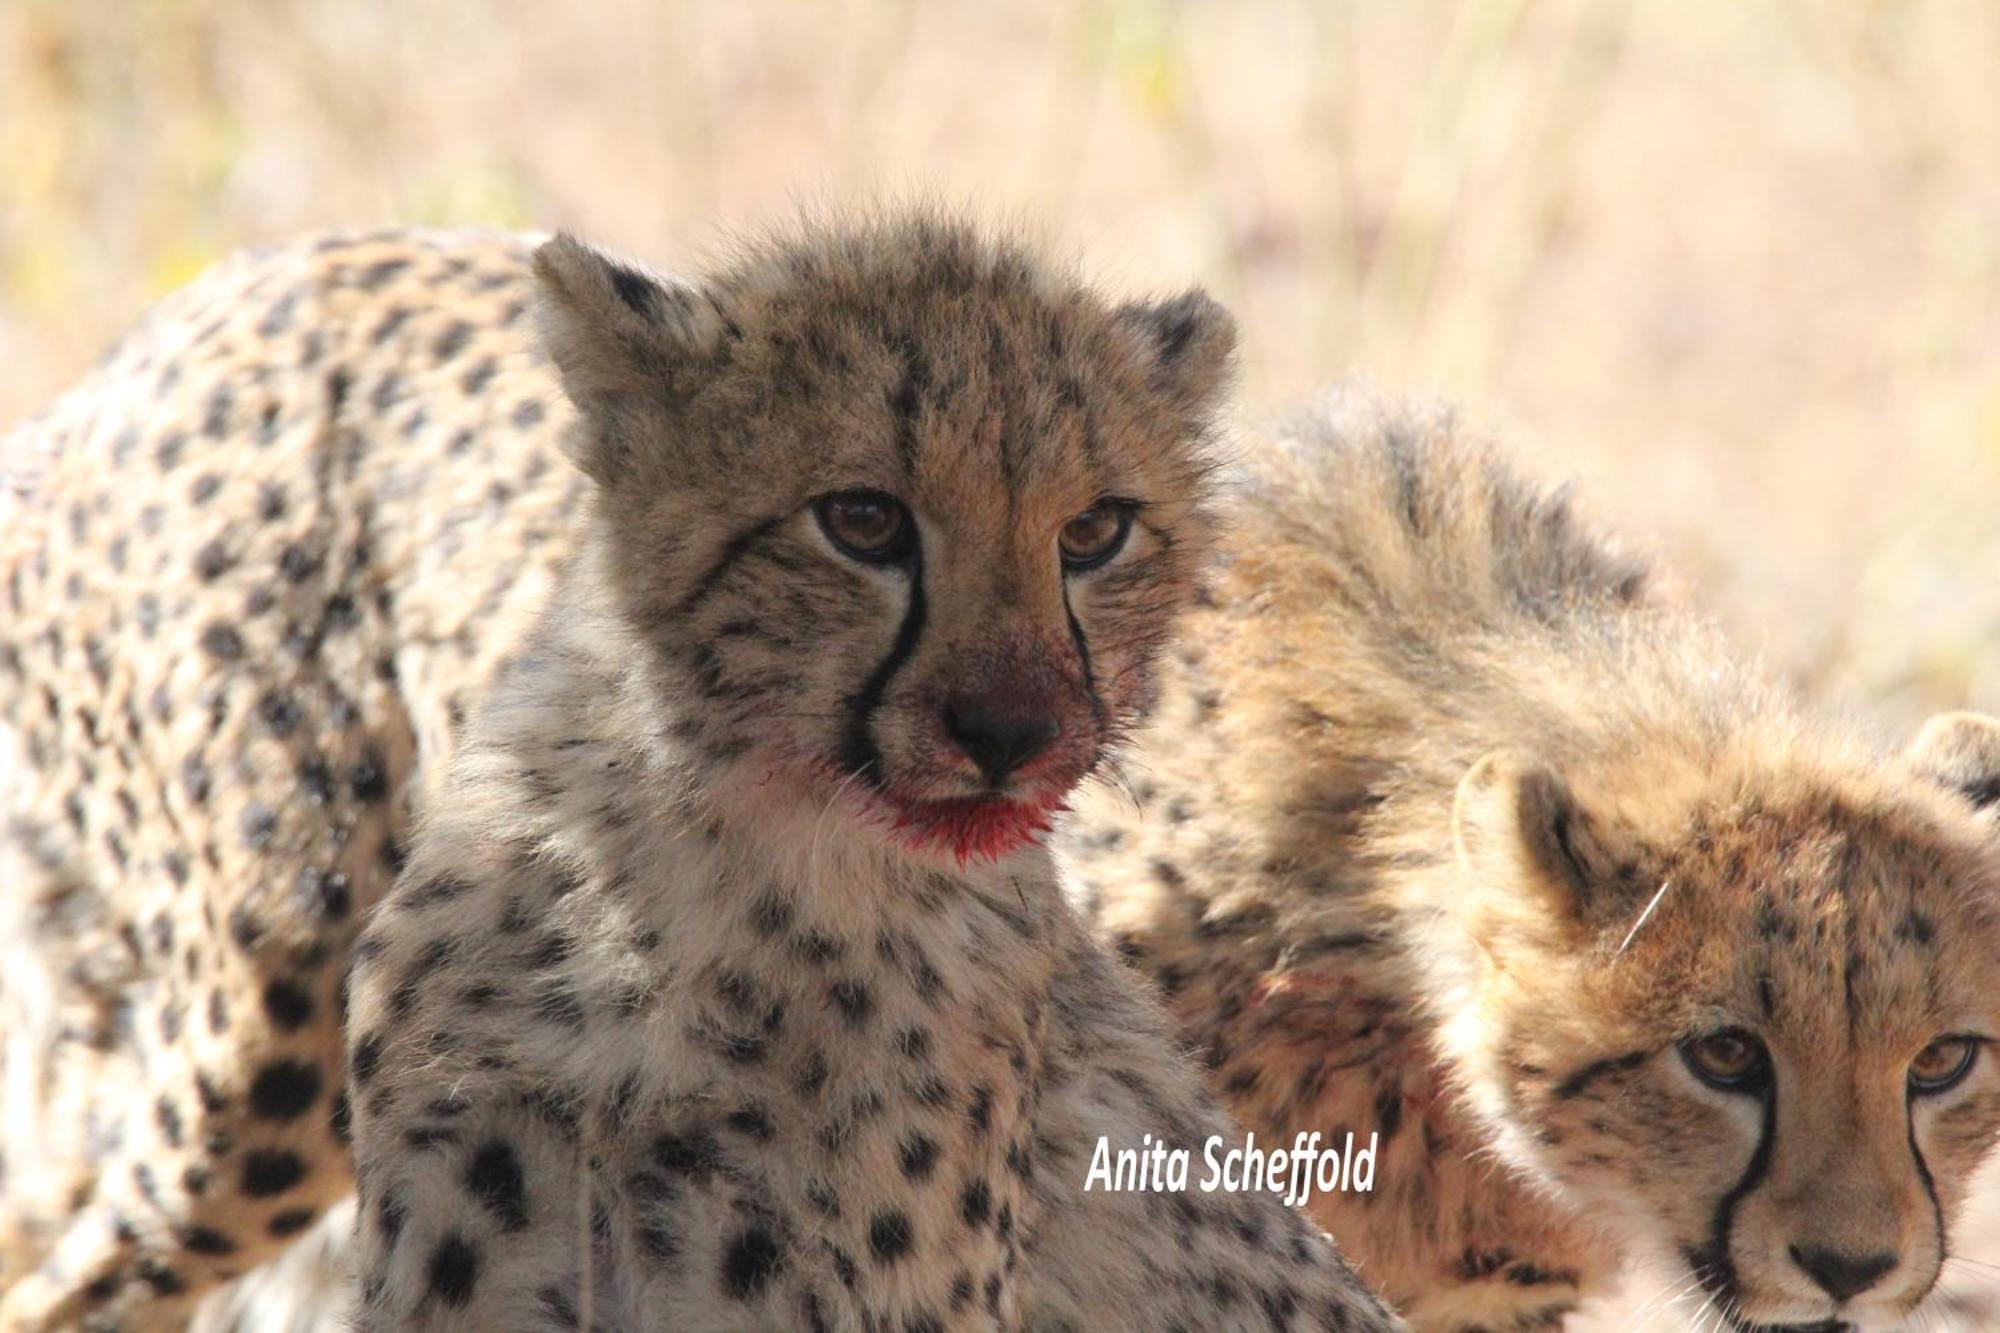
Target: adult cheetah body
[{"x": 249, "y": 582}]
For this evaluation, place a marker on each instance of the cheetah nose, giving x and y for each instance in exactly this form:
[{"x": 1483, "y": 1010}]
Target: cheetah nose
[
  {"x": 1842, "y": 1275},
  {"x": 996, "y": 737}
]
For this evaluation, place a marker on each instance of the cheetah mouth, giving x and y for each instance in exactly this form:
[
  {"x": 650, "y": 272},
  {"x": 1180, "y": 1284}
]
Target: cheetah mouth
[{"x": 971, "y": 828}]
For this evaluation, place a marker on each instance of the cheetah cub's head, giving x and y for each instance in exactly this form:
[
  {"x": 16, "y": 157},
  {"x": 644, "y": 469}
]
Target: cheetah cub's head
[
  {"x": 1745, "y": 1009},
  {"x": 901, "y": 513}
]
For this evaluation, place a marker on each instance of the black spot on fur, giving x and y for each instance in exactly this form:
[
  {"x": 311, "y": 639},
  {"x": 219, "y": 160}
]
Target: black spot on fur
[
  {"x": 493, "y": 1177},
  {"x": 205, "y": 1240},
  {"x": 454, "y": 1268},
  {"x": 367, "y": 1057},
  {"x": 212, "y": 561},
  {"x": 268, "y": 1171},
  {"x": 452, "y": 341},
  {"x": 297, "y": 564},
  {"x": 890, "y": 1235},
  {"x": 279, "y": 712},
  {"x": 368, "y": 779},
  {"x": 390, "y": 1215},
  {"x": 168, "y": 1114},
  {"x": 163, "y": 1280},
  {"x": 171, "y": 446},
  {"x": 288, "y": 1004},
  {"x": 749, "y": 1263},
  {"x": 291, "y": 1222},
  {"x": 222, "y": 642},
  {"x": 753, "y": 1122},
  {"x": 258, "y": 822},
  {"x": 380, "y": 273},
  {"x": 853, "y": 1001},
  {"x": 284, "y": 1090},
  {"x": 693, "y": 1152},
  {"x": 975, "y": 1204},
  {"x": 919, "y": 1155}
]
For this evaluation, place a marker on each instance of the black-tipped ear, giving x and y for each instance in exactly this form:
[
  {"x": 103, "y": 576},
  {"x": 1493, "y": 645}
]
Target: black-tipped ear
[
  {"x": 1521, "y": 834},
  {"x": 1961, "y": 751},
  {"x": 1188, "y": 343},
  {"x": 627, "y": 343}
]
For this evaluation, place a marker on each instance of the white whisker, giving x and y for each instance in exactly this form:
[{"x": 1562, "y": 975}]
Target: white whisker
[{"x": 1645, "y": 915}]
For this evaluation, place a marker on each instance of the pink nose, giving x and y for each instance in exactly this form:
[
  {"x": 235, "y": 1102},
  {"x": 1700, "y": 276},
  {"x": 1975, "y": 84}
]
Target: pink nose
[{"x": 999, "y": 738}]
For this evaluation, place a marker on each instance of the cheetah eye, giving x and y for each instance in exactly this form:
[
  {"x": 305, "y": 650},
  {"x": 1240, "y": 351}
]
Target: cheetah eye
[
  {"x": 1094, "y": 536},
  {"x": 1728, "y": 1059},
  {"x": 1942, "y": 1065},
  {"x": 870, "y": 526}
]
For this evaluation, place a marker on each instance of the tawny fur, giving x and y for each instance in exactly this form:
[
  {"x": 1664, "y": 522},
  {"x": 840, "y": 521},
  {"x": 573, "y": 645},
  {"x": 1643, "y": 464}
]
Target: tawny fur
[{"x": 1425, "y": 758}]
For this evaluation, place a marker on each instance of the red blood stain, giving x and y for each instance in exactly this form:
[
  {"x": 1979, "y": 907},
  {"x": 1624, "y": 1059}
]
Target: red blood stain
[{"x": 972, "y": 827}]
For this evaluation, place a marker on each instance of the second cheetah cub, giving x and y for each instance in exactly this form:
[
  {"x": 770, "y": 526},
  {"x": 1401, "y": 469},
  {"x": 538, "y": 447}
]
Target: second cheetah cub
[{"x": 728, "y": 986}]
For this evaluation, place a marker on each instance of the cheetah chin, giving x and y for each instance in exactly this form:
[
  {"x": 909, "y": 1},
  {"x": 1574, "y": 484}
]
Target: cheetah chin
[{"x": 973, "y": 828}]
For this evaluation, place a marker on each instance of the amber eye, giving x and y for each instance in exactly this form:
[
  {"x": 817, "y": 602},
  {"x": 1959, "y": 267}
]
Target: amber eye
[
  {"x": 1730, "y": 1059},
  {"x": 1094, "y": 536},
  {"x": 1943, "y": 1064},
  {"x": 868, "y": 525}
]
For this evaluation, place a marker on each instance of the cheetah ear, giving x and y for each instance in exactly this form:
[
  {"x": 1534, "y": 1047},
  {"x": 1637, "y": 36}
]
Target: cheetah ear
[
  {"x": 627, "y": 343},
  {"x": 1537, "y": 866},
  {"x": 1188, "y": 344},
  {"x": 1961, "y": 751}
]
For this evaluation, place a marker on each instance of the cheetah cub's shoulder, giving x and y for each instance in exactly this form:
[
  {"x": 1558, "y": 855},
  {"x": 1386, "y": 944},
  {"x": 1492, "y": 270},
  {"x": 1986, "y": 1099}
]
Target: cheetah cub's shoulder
[{"x": 729, "y": 986}]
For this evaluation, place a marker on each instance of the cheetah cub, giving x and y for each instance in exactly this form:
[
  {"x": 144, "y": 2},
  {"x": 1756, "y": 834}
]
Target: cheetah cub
[
  {"x": 1451, "y": 833},
  {"x": 729, "y": 985}
]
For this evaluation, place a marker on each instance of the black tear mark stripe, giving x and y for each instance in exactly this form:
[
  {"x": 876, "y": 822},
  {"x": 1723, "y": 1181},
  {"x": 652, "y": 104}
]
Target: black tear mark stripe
[
  {"x": 1930, "y": 1188},
  {"x": 1082, "y": 642},
  {"x": 1577, "y": 1083},
  {"x": 858, "y": 751},
  {"x": 1713, "y": 1267},
  {"x": 737, "y": 548}
]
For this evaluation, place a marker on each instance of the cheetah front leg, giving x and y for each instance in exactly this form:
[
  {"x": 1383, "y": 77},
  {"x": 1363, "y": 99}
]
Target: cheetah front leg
[
  {"x": 66, "y": 988},
  {"x": 58, "y": 1017},
  {"x": 180, "y": 1117},
  {"x": 473, "y": 1220}
]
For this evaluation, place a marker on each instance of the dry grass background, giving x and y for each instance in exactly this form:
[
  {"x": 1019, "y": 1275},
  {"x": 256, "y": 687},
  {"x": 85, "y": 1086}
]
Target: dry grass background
[{"x": 1736, "y": 267}]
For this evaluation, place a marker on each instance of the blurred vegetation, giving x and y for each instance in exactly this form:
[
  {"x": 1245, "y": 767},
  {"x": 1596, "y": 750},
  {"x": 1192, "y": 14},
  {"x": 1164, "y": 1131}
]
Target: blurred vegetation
[{"x": 1737, "y": 266}]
